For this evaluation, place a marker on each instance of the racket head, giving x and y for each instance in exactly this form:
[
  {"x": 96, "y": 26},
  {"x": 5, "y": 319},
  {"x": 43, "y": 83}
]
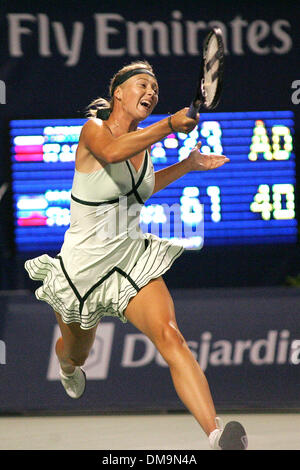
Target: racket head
[
  {"x": 210, "y": 80},
  {"x": 213, "y": 68}
]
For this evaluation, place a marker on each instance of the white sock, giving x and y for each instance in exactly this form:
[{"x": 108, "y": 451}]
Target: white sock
[
  {"x": 65, "y": 374},
  {"x": 215, "y": 434},
  {"x": 214, "y": 438}
]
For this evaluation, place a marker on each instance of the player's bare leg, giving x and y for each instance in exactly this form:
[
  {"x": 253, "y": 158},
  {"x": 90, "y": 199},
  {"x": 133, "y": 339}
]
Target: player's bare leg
[
  {"x": 72, "y": 350},
  {"x": 152, "y": 312}
]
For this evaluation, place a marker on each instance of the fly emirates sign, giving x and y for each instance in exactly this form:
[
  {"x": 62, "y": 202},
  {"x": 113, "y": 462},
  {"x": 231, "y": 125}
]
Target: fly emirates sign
[{"x": 115, "y": 35}]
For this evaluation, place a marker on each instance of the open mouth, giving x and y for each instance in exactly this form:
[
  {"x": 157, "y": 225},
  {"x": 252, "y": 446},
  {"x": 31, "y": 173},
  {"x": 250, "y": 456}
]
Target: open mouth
[{"x": 145, "y": 104}]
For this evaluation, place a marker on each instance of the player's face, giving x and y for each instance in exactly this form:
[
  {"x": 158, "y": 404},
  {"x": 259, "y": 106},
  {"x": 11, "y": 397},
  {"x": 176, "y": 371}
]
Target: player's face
[{"x": 139, "y": 95}]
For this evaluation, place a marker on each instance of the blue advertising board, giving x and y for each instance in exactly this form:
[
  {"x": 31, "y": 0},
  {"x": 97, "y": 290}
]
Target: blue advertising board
[{"x": 247, "y": 342}]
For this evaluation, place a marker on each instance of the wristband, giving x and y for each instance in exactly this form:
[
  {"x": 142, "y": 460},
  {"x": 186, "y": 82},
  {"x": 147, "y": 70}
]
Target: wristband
[{"x": 170, "y": 124}]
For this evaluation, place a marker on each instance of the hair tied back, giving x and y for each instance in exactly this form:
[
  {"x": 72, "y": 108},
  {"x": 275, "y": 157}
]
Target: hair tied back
[{"x": 103, "y": 113}]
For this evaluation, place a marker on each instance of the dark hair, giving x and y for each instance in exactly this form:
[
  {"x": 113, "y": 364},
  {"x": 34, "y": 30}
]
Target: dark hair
[{"x": 101, "y": 107}]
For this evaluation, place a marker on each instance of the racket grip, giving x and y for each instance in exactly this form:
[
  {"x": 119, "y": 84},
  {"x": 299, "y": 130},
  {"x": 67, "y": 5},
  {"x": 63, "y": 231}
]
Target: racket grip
[{"x": 192, "y": 112}]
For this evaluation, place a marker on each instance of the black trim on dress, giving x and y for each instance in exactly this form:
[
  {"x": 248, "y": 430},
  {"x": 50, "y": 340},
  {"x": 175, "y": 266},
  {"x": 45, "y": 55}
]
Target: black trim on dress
[
  {"x": 132, "y": 191},
  {"x": 138, "y": 198},
  {"x": 91, "y": 203},
  {"x": 86, "y": 295}
]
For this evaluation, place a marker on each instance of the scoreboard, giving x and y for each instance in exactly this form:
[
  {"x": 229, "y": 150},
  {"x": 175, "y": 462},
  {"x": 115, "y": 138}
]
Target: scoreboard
[{"x": 249, "y": 200}]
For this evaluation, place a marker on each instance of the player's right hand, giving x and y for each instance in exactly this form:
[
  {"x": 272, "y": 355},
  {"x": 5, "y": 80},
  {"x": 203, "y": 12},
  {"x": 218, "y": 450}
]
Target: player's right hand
[{"x": 182, "y": 123}]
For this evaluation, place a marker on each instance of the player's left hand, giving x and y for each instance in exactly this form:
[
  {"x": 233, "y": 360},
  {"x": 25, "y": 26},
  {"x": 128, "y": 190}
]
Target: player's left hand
[{"x": 200, "y": 162}]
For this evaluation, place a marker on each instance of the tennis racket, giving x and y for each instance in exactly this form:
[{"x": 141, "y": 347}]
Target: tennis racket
[{"x": 210, "y": 80}]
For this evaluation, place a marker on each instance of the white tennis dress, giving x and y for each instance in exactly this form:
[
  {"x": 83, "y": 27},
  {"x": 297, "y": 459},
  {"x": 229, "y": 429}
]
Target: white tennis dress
[{"x": 105, "y": 258}]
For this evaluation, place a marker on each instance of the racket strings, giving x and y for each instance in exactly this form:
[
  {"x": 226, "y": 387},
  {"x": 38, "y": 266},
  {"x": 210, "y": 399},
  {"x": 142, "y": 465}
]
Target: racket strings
[
  {"x": 211, "y": 71},
  {"x": 209, "y": 64}
]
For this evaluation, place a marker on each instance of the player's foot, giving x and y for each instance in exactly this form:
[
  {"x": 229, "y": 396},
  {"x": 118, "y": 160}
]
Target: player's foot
[
  {"x": 74, "y": 384},
  {"x": 232, "y": 437}
]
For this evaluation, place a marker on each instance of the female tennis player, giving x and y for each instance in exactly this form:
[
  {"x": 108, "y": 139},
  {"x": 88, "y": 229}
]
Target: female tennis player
[{"x": 107, "y": 265}]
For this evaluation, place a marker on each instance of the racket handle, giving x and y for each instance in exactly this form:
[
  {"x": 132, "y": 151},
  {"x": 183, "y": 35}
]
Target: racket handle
[{"x": 192, "y": 112}]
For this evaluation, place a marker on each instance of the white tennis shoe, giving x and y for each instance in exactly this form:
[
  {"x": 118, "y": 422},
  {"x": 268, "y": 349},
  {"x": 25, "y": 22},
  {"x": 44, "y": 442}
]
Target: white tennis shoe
[
  {"x": 74, "y": 384},
  {"x": 232, "y": 437}
]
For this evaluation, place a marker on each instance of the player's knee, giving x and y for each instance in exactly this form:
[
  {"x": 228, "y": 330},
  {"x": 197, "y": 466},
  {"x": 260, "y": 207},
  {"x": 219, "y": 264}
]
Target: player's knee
[{"x": 170, "y": 341}]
